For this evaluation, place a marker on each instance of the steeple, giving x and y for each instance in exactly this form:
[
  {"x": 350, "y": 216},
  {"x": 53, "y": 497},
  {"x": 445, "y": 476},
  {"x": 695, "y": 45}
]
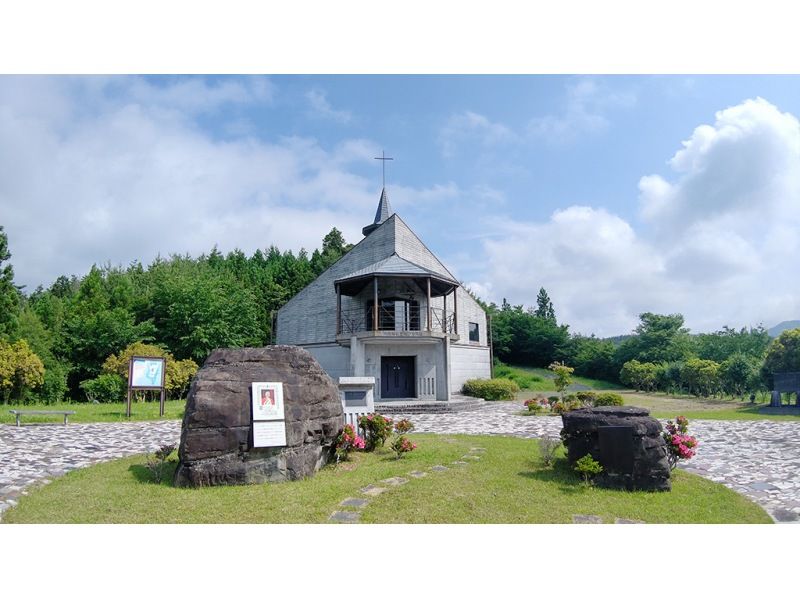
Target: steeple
[{"x": 381, "y": 215}]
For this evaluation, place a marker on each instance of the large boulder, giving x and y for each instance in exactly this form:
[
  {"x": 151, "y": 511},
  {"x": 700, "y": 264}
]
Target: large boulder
[
  {"x": 625, "y": 440},
  {"x": 216, "y": 435}
]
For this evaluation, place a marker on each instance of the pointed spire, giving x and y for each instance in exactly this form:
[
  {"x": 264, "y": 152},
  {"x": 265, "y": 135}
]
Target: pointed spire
[{"x": 381, "y": 215}]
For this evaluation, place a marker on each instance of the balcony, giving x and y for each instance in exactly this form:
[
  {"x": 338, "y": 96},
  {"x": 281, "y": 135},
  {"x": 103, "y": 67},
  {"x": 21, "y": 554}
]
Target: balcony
[{"x": 395, "y": 317}]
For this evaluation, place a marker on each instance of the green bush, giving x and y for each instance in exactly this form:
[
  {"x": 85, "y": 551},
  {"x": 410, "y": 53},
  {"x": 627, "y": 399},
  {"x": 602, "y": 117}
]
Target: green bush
[
  {"x": 586, "y": 397},
  {"x": 608, "y": 399},
  {"x": 523, "y": 379},
  {"x": 106, "y": 388},
  {"x": 498, "y": 389}
]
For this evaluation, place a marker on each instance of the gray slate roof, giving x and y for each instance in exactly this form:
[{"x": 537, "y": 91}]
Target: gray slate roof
[
  {"x": 395, "y": 265},
  {"x": 384, "y": 209}
]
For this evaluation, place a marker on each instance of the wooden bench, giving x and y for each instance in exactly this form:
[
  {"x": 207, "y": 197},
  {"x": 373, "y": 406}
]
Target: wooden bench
[{"x": 17, "y": 413}]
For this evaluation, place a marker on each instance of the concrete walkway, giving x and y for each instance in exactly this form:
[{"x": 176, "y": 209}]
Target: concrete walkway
[{"x": 760, "y": 459}]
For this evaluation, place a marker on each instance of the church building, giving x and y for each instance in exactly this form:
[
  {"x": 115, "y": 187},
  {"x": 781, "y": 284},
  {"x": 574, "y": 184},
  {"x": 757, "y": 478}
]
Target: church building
[{"x": 389, "y": 309}]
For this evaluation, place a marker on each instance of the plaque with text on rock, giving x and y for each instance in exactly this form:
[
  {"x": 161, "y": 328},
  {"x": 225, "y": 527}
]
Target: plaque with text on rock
[{"x": 269, "y": 424}]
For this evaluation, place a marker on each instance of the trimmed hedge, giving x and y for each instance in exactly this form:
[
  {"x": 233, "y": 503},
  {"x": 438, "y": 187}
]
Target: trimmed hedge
[
  {"x": 607, "y": 399},
  {"x": 499, "y": 389}
]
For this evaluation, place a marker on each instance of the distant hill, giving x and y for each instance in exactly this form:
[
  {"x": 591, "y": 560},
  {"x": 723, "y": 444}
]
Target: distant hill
[{"x": 787, "y": 325}]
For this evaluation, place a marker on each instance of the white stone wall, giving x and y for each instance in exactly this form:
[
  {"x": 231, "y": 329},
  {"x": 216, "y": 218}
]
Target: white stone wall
[
  {"x": 333, "y": 358},
  {"x": 429, "y": 362},
  {"x": 467, "y": 362}
]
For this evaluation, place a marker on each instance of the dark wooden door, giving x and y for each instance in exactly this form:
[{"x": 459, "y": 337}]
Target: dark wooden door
[{"x": 397, "y": 377}]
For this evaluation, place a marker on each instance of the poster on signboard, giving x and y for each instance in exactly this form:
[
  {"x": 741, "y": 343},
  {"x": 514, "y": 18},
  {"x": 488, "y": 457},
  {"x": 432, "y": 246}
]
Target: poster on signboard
[
  {"x": 267, "y": 401},
  {"x": 269, "y": 433},
  {"x": 147, "y": 372}
]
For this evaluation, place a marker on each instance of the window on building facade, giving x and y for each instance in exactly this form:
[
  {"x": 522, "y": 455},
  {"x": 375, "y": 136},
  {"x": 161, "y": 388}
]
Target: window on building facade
[{"x": 474, "y": 334}]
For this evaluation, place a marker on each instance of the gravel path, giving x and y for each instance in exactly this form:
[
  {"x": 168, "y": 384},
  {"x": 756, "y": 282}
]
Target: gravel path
[{"x": 760, "y": 459}]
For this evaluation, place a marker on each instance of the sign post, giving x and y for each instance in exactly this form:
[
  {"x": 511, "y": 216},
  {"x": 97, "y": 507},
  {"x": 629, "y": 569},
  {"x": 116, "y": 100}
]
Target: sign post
[{"x": 146, "y": 373}]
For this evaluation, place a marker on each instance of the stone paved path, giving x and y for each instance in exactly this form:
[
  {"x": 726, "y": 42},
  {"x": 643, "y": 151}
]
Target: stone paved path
[
  {"x": 35, "y": 453},
  {"x": 760, "y": 459}
]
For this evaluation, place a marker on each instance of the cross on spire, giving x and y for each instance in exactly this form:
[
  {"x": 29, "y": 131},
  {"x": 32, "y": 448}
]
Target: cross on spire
[{"x": 383, "y": 159}]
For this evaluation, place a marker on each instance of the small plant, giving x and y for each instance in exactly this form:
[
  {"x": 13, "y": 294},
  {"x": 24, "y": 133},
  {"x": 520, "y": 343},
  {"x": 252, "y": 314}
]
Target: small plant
[
  {"x": 680, "y": 445},
  {"x": 588, "y": 468},
  {"x": 547, "y": 450},
  {"x": 402, "y": 445},
  {"x": 346, "y": 442},
  {"x": 533, "y": 405},
  {"x": 404, "y": 426},
  {"x": 377, "y": 429},
  {"x": 587, "y": 397},
  {"x": 157, "y": 461}
]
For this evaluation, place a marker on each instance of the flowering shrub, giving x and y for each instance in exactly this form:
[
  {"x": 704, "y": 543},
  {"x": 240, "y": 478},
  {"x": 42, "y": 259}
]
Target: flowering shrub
[
  {"x": 402, "y": 445},
  {"x": 537, "y": 405},
  {"x": 403, "y": 426},
  {"x": 679, "y": 444},
  {"x": 346, "y": 442},
  {"x": 377, "y": 429}
]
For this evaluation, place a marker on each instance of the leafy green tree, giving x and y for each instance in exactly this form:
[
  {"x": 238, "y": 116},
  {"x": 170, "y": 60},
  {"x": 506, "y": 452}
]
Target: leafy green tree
[
  {"x": 739, "y": 374},
  {"x": 20, "y": 370},
  {"x": 658, "y": 338},
  {"x": 638, "y": 375},
  {"x": 783, "y": 355},
  {"x": 593, "y": 357},
  {"x": 9, "y": 294},
  {"x": 544, "y": 307},
  {"x": 563, "y": 376},
  {"x": 194, "y": 316},
  {"x": 701, "y": 377},
  {"x": 719, "y": 346}
]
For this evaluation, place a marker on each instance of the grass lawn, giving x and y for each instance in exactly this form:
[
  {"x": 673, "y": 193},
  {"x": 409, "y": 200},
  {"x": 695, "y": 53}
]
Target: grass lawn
[
  {"x": 507, "y": 485},
  {"x": 95, "y": 412},
  {"x": 666, "y": 406},
  {"x": 540, "y": 379}
]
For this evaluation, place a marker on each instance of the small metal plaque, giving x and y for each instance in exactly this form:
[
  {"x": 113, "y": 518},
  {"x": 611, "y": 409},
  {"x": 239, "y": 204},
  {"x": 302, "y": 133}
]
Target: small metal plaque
[
  {"x": 616, "y": 448},
  {"x": 269, "y": 433},
  {"x": 355, "y": 398}
]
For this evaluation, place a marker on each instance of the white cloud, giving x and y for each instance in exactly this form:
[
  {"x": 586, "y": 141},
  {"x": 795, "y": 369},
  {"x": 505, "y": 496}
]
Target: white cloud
[
  {"x": 719, "y": 243},
  {"x": 135, "y": 177},
  {"x": 473, "y": 127},
  {"x": 321, "y": 108},
  {"x": 584, "y": 111}
]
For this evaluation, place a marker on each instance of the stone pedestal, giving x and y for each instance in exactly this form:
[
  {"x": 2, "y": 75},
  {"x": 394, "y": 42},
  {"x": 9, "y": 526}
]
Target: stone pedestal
[
  {"x": 625, "y": 440},
  {"x": 217, "y": 437}
]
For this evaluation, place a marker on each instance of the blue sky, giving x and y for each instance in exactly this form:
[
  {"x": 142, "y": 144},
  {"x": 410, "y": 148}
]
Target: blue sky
[{"x": 618, "y": 194}]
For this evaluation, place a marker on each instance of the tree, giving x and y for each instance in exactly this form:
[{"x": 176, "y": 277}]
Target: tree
[
  {"x": 739, "y": 374},
  {"x": 9, "y": 294},
  {"x": 658, "y": 338},
  {"x": 783, "y": 355},
  {"x": 641, "y": 376},
  {"x": 719, "y": 346},
  {"x": 563, "y": 376},
  {"x": 20, "y": 370},
  {"x": 544, "y": 307},
  {"x": 701, "y": 377}
]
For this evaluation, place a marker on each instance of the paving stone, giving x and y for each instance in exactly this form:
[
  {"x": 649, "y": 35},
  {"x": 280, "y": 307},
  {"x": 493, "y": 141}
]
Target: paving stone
[
  {"x": 473, "y": 457},
  {"x": 618, "y": 520},
  {"x": 785, "y": 516},
  {"x": 477, "y": 449},
  {"x": 586, "y": 519},
  {"x": 373, "y": 490},
  {"x": 439, "y": 468},
  {"x": 417, "y": 474},
  {"x": 459, "y": 463},
  {"x": 345, "y": 516},
  {"x": 394, "y": 481},
  {"x": 358, "y": 503}
]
